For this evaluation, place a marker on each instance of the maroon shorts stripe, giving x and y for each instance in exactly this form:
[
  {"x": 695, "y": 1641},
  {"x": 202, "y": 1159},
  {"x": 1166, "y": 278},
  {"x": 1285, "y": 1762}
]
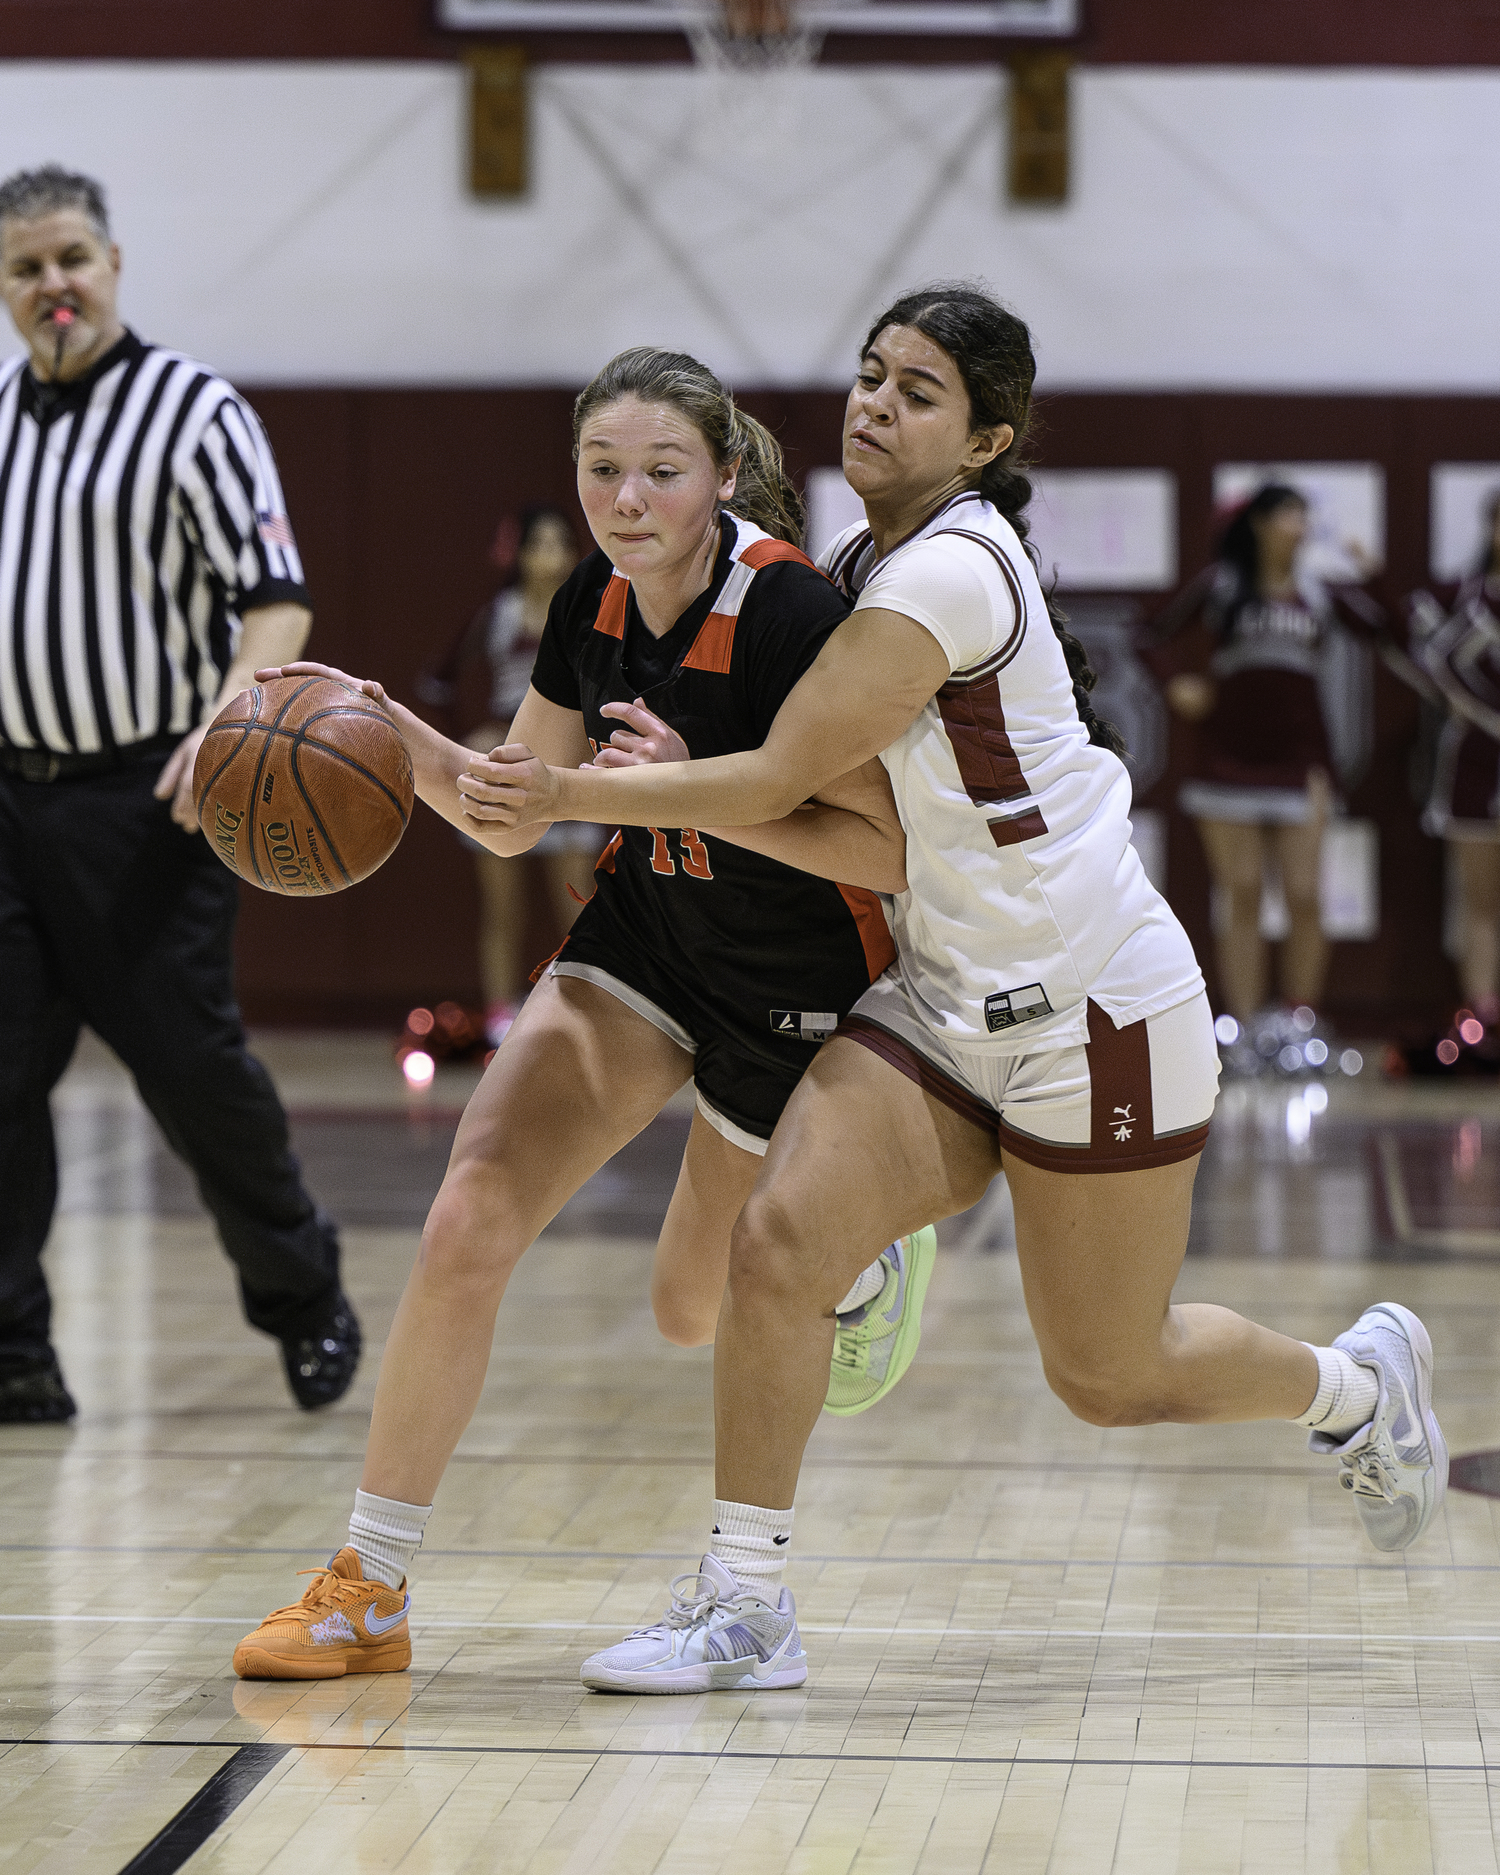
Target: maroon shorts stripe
[
  {"x": 916, "y": 1067},
  {"x": 1120, "y": 1120},
  {"x": 1048, "y": 1156}
]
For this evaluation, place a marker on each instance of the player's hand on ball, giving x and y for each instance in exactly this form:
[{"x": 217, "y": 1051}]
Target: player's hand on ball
[
  {"x": 646, "y": 739},
  {"x": 365, "y": 686},
  {"x": 510, "y": 789}
]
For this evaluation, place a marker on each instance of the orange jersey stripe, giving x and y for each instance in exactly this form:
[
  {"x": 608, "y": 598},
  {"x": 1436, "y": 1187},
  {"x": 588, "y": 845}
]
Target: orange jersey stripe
[
  {"x": 611, "y": 619},
  {"x": 767, "y": 552},
  {"x": 713, "y": 648},
  {"x": 874, "y": 932}
]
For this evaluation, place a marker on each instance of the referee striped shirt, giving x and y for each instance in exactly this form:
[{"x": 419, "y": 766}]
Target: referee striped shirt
[{"x": 140, "y": 516}]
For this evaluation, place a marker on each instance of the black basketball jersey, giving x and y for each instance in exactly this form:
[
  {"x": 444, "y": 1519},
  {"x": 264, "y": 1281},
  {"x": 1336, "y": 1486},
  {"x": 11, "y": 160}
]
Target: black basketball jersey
[{"x": 774, "y": 938}]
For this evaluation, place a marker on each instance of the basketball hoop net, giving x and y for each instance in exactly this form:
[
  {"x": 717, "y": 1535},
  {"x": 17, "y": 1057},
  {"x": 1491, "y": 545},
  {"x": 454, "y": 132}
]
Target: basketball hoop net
[{"x": 749, "y": 35}]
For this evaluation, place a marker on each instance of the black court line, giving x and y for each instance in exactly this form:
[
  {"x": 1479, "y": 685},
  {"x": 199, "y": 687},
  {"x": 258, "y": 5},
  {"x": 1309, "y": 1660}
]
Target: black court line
[
  {"x": 865, "y": 1562},
  {"x": 137, "y": 1867},
  {"x": 201, "y": 1815}
]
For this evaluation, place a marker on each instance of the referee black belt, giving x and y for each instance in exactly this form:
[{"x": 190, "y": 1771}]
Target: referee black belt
[{"x": 49, "y": 765}]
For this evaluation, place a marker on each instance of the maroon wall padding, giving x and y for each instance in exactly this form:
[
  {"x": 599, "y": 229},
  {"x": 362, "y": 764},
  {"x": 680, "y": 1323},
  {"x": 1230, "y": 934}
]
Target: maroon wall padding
[
  {"x": 395, "y": 494},
  {"x": 1131, "y": 32}
]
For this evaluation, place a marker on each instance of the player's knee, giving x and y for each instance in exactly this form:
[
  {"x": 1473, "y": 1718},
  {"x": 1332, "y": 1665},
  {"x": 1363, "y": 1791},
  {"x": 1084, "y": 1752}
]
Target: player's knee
[
  {"x": 681, "y": 1323},
  {"x": 765, "y": 1254},
  {"x": 1101, "y": 1397},
  {"x": 470, "y": 1245}
]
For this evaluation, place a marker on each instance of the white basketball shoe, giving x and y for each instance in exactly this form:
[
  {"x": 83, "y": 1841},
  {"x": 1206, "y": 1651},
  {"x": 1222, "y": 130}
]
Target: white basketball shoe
[
  {"x": 1397, "y": 1466},
  {"x": 715, "y": 1638}
]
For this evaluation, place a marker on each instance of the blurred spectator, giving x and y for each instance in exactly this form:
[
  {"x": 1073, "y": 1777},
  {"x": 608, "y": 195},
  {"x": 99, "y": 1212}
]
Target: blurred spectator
[
  {"x": 1455, "y": 644},
  {"x": 536, "y": 552},
  {"x": 1263, "y": 788}
]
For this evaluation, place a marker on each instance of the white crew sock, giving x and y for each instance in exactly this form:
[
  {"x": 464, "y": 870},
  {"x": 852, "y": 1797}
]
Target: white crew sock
[
  {"x": 385, "y": 1534},
  {"x": 1346, "y": 1397},
  {"x": 867, "y": 1285},
  {"x": 752, "y": 1544}
]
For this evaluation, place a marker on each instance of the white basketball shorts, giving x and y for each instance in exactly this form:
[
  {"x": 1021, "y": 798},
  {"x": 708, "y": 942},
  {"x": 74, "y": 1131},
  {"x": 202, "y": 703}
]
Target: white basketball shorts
[{"x": 1126, "y": 1100}]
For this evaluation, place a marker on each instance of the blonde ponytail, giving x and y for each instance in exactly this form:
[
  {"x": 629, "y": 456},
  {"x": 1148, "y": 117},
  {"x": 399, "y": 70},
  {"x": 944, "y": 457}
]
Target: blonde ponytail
[{"x": 763, "y": 491}]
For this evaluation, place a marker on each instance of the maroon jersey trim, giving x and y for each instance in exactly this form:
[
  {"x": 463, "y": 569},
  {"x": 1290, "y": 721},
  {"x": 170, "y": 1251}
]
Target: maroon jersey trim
[
  {"x": 974, "y": 718},
  {"x": 1027, "y": 826}
]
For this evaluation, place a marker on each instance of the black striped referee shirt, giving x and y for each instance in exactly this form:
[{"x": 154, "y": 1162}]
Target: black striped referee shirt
[{"x": 140, "y": 516}]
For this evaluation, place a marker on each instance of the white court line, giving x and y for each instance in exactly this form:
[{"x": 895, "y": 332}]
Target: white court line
[{"x": 808, "y": 1627}]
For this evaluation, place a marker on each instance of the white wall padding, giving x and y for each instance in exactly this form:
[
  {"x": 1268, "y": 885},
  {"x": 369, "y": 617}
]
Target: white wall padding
[{"x": 1235, "y": 228}]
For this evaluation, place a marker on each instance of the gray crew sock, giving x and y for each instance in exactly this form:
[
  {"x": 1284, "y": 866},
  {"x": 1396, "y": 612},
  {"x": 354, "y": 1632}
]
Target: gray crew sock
[{"x": 386, "y": 1534}]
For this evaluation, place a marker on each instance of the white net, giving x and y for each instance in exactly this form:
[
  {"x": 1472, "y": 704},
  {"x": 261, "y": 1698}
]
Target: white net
[{"x": 749, "y": 35}]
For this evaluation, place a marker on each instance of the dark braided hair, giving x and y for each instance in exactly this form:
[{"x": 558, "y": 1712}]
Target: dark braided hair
[{"x": 992, "y": 350}]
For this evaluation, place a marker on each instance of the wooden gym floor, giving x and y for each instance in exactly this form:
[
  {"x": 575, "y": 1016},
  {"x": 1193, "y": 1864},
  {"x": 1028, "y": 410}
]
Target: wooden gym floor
[{"x": 1035, "y": 1646}]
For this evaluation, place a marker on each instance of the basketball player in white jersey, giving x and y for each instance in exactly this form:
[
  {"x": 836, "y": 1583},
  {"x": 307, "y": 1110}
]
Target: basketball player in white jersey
[{"x": 1045, "y": 1013}]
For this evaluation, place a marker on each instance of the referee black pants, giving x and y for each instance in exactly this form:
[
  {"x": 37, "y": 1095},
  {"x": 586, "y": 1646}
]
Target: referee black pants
[{"x": 111, "y": 915}]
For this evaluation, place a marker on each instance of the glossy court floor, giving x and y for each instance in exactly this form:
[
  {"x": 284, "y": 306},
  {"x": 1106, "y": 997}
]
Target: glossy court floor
[{"x": 1035, "y": 1646}]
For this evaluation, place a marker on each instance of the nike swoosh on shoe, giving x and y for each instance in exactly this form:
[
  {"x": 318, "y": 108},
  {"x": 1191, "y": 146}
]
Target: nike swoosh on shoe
[{"x": 382, "y": 1624}]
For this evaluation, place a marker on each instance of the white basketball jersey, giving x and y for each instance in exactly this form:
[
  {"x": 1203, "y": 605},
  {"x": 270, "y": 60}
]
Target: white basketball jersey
[{"x": 1025, "y": 897}]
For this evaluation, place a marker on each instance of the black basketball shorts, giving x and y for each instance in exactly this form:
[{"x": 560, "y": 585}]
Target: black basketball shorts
[{"x": 739, "y": 1015}]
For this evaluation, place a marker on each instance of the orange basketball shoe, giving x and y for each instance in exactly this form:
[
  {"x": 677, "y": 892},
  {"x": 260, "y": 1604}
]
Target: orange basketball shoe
[{"x": 342, "y": 1624}]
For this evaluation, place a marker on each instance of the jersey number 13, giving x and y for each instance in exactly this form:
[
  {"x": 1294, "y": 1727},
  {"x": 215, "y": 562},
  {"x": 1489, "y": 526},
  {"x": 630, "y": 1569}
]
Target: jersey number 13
[{"x": 694, "y": 853}]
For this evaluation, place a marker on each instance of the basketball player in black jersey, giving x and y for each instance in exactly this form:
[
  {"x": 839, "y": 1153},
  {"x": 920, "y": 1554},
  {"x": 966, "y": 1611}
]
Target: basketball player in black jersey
[{"x": 720, "y": 958}]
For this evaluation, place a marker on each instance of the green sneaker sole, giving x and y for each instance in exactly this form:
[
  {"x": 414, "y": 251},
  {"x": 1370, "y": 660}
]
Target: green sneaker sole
[{"x": 921, "y": 1256}]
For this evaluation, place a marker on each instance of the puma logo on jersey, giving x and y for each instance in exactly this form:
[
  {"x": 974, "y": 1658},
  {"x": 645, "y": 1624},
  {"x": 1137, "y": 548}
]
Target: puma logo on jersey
[
  {"x": 804, "y": 1025},
  {"x": 1006, "y": 1009}
]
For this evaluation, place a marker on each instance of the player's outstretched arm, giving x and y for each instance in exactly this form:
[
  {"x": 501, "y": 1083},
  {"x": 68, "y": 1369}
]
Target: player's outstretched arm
[
  {"x": 869, "y": 683},
  {"x": 851, "y": 833},
  {"x": 542, "y": 728}
]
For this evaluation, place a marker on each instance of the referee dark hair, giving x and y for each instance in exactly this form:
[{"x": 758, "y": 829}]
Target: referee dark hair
[{"x": 147, "y": 568}]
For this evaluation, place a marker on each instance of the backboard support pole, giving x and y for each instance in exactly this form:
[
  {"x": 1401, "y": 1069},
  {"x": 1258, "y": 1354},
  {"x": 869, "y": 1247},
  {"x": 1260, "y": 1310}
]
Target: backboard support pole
[
  {"x": 498, "y": 122},
  {"x": 1038, "y": 155}
]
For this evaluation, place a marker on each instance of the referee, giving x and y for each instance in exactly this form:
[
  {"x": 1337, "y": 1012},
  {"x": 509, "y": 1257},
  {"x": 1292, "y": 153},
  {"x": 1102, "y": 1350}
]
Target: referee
[{"x": 146, "y": 569}]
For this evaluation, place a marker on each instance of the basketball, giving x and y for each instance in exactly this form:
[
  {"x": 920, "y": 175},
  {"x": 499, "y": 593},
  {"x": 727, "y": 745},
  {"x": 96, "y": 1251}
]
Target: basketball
[{"x": 302, "y": 786}]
